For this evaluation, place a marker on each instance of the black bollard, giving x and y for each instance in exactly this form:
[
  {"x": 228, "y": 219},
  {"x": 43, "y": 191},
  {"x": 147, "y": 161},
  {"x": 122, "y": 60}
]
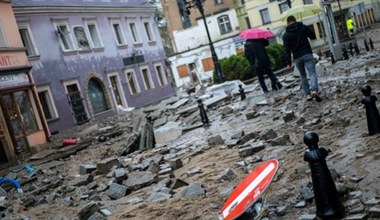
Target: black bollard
[
  {"x": 203, "y": 113},
  {"x": 351, "y": 49},
  {"x": 356, "y": 47},
  {"x": 345, "y": 53},
  {"x": 366, "y": 45},
  {"x": 373, "y": 117},
  {"x": 242, "y": 93},
  {"x": 332, "y": 59},
  {"x": 325, "y": 193},
  {"x": 371, "y": 44}
]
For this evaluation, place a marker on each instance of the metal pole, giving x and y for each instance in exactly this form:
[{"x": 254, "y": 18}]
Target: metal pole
[
  {"x": 327, "y": 31},
  {"x": 218, "y": 69}
]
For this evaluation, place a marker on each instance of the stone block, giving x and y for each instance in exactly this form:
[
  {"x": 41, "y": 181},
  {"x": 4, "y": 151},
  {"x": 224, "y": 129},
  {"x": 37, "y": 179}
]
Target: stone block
[
  {"x": 86, "y": 168},
  {"x": 227, "y": 174},
  {"x": 193, "y": 190},
  {"x": 140, "y": 179},
  {"x": 105, "y": 166},
  {"x": 117, "y": 191}
]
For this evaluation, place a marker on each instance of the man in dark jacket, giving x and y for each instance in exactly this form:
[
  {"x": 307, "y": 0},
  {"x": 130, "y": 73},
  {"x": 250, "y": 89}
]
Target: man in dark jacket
[
  {"x": 296, "y": 42},
  {"x": 254, "y": 50}
]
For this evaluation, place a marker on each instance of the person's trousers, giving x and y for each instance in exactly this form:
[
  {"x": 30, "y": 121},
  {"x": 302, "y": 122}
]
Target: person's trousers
[
  {"x": 307, "y": 62},
  {"x": 265, "y": 70}
]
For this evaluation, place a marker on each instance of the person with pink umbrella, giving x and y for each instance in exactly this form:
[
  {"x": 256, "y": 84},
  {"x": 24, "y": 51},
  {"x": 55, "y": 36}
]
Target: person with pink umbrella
[{"x": 255, "y": 52}]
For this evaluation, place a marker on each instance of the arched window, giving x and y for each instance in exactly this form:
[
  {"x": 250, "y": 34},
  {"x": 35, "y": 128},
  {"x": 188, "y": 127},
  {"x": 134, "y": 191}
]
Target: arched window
[
  {"x": 97, "y": 96},
  {"x": 224, "y": 24}
]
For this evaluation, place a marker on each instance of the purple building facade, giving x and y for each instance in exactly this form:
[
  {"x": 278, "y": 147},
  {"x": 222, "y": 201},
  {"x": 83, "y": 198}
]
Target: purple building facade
[{"x": 91, "y": 56}]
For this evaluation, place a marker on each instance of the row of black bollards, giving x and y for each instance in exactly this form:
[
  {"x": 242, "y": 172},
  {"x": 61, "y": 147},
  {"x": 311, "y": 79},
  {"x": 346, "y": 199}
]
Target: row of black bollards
[{"x": 372, "y": 113}]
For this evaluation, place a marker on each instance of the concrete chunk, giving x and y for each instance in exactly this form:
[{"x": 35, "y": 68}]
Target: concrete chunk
[
  {"x": 117, "y": 191},
  {"x": 85, "y": 212},
  {"x": 105, "y": 166},
  {"x": 86, "y": 168},
  {"x": 227, "y": 174},
  {"x": 140, "y": 179},
  {"x": 193, "y": 190}
]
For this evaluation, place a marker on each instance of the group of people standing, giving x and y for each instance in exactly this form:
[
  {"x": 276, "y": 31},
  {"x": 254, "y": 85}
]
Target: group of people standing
[{"x": 295, "y": 42}]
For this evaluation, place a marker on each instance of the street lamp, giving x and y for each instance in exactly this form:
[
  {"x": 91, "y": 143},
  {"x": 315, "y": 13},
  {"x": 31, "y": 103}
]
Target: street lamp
[{"x": 198, "y": 3}]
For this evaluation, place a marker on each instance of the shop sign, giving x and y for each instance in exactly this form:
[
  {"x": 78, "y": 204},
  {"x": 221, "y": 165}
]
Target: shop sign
[
  {"x": 9, "y": 60},
  {"x": 13, "y": 80}
]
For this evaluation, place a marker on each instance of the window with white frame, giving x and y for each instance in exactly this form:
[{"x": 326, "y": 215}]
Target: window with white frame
[
  {"x": 94, "y": 36},
  {"x": 161, "y": 75},
  {"x": 119, "y": 37},
  {"x": 27, "y": 39},
  {"x": 132, "y": 82},
  {"x": 3, "y": 40},
  {"x": 265, "y": 17},
  {"x": 134, "y": 32},
  {"x": 65, "y": 38},
  {"x": 148, "y": 31},
  {"x": 81, "y": 38},
  {"x": 224, "y": 24},
  {"x": 46, "y": 100},
  {"x": 147, "y": 78},
  {"x": 283, "y": 7}
]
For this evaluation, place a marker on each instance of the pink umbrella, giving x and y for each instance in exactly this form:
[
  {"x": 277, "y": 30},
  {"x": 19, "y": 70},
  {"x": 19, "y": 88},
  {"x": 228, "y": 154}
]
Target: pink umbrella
[{"x": 256, "y": 33}]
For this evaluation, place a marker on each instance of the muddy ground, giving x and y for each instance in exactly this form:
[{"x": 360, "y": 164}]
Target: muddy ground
[{"x": 339, "y": 120}]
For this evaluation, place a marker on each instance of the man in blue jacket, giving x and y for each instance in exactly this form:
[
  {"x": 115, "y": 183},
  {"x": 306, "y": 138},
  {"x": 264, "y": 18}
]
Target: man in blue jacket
[{"x": 296, "y": 42}]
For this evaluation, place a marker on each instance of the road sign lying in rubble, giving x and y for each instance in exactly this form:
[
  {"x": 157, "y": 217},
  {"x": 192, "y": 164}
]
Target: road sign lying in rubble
[{"x": 249, "y": 190}]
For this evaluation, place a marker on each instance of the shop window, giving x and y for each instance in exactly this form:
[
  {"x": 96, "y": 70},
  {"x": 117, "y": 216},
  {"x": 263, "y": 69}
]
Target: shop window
[
  {"x": 208, "y": 64},
  {"x": 182, "y": 71},
  {"x": 224, "y": 24},
  {"x": 93, "y": 31},
  {"x": 46, "y": 100},
  {"x": 135, "y": 34},
  {"x": 161, "y": 75},
  {"x": 97, "y": 96},
  {"x": 265, "y": 17},
  {"x": 119, "y": 37},
  {"x": 3, "y": 41},
  {"x": 27, "y": 39},
  {"x": 147, "y": 78},
  {"x": 132, "y": 82},
  {"x": 64, "y": 37},
  {"x": 148, "y": 31},
  {"x": 81, "y": 38}
]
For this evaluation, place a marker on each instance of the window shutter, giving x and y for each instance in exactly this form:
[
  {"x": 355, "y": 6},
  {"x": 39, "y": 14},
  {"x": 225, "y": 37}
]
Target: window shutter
[
  {"x": 208, "y": 64},
  {"x": 182, "y": 71}
]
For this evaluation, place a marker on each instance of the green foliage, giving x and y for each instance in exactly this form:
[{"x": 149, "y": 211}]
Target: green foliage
[
  {"x": 235, "y": 67},
  {"x": 276, "y": 56}
]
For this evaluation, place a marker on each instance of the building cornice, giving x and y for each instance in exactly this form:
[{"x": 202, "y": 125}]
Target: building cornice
[
  {"x": 7, "y": 1},
  {"x": 20, "y": 10}
]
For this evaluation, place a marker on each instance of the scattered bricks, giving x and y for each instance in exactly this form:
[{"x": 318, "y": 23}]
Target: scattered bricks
[
  {"x": 251, "y": 115},
  {"x": 357, "y": 210},
  {"x": 356, "y": 179},
  {"x": 341, "y": 188},
  {"x": 226, "y": 192},
  {"x": 215, "y": 140},
  {"x": 175, "y": 163},
  {"x": 281, "y": 210},
  {"x": 120, "y": 175},
  {"x": 308, "y": 217},
  {"x": 105, "y": 166},
  {"x": 361, "y": 216},
  {"x": 372, "y": 202},
  {"x": 289, "y": 115},
  {"x": 303, "y": 169},
  {"x": 86, "y": 168},
  {"x": 374, "y": 212},
  {"x": 270, "y": 134},
  {"x": 252, "y": 159},
  {"x": 227, "y": 174},
  {"x": 307, "y": 192},
  {"x": 29, "y": 201},
  {"x": 250, "y": 150},
  {"x": 140, "y": 179},
  {"x": 283, "y": 140},
  {"x": 300, "y": 204},
  {"x": 105, "y": 212},
  {"x": 247, "y": 138},
  {"x": 195, "y": 170},
  {"x": 165, "y": 171},
  {"x": 177, "y": 183},
  {"x": 133, "y": 167},
  {"x": 227, "y": 110},
  {"x": 81, "y": 181},
  {"x": 158, "y": 196},
  {"x": 240, "y": 163},
  {"x": 153, "y": 168},
  {"x": 377, "y": 156},
  {"x": 231, "y": 143},
  {"x": 301, "y": 121},
  {"x": 116, "y": 191},
  {"x": 89, "y": 209},
  {"x": 355, "y": 194},
  {"x": 97, "y": 216},
  {"x": 193, "y": 190},
  {"x": 3, "y": 192},
  {"x": 92, "y": 185},
  {"x": 238, "y": 135}
]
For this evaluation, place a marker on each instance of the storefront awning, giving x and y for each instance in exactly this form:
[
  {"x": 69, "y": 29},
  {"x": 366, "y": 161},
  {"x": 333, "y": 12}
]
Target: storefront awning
[{"x": 15, "y": 70}]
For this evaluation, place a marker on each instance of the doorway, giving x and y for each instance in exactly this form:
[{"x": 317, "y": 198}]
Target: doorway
[{"x": 77, "y": 104}]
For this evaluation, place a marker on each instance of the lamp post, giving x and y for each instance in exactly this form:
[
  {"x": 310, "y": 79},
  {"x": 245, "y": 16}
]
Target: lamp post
[{"x": 198, "y": 3}]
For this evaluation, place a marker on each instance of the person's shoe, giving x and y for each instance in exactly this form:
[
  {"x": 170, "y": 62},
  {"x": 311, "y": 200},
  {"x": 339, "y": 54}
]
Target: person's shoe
[
  {"x": 279, "y": 86},
  {"x": 309, "y": 98},
  {"x": 274, "y": 87},
  {"x": 316, "y": 96}
]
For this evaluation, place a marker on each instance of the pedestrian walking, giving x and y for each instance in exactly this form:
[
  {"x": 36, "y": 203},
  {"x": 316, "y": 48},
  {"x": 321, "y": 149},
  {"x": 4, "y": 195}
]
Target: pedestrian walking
[
  {"x": 296, "y": 42},
  {"x": 254, "y": 50},
  {"x": 350, "y": 26}
]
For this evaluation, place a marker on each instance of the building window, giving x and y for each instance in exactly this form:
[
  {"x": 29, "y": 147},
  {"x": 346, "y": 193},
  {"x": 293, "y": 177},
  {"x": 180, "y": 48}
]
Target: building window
[
  {"x": 92, "y": 29},
  {"x": 97, "y": 96},
  {"x": 248, "y": 22},
  {"x": 183, "y": 71},
  {"x": 64, "y": 37},
  {"x": 224, "y": 24},
  {"x": 242, "y": 2},
  {"x": 119, "y": 37},
  {"x": 208, "y": 64},
  {"x": 116, "y": 89},
  {"x": 135, "y": 34},
  {"x": 218, "y": 2},
  {"x": 161, "y": 75},
  {"x": 3, "y": 41},
  {"x": 132, "y": 82},
  {"x": 27, "y": 39},
  {"x": 80, "y": 36},
  {"x": 148, "y": 31},
  {"x": 307, "y": 2},
  {"x": 147, "y": 78},
  {"x": 265, "y": 16},
  {"x": 283, "y": 7},
  {"x": 46, "y": 99}
]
